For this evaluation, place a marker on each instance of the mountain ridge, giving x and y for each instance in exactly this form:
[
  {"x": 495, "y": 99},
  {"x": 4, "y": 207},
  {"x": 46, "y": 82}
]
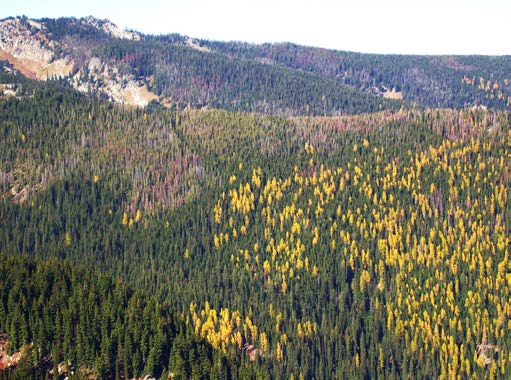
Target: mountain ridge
[{"x": 96, "y": 57}]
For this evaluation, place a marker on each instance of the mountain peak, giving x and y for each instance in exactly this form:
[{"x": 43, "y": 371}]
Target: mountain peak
[{"x": 110, "y": 28}]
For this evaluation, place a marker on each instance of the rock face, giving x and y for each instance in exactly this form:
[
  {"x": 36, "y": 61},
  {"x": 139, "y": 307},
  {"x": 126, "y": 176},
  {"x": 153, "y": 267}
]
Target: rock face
[
  {"x": 26, "y": 47},
  {"x": 29, "y": 48},
  {"x": 110, "y": 28},
  {"x": 107, "y": 81}
]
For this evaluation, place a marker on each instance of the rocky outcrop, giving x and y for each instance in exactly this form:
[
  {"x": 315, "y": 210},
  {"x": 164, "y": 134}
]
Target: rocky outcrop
[
  {"x": 106, "y": 80},
  {"x": 27, "y": 49},
  {"x": 27, "y": 46},
  {"x": 111, "y": 29}
]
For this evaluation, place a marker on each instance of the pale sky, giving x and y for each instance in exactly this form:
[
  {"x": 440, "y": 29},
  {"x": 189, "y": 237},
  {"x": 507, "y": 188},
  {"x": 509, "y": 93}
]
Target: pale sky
[{"x": 368, "y": 26}]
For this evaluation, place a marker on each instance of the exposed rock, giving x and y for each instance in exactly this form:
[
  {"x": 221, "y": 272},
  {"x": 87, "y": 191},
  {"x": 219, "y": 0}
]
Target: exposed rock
[
  {"x": 390, "y": 93},
  {"x": 111, "y": 29},
  {"x": 195, "y": 45},
  {"x": 9, "y": 89},
  {"x": 27, "y": 46},
  {"x": 35, "y": 24},
  {"x": 94, "y": 65},
  {"x": 6, "y": 360},
  {"x": 487, "y": 353},
  {"x": 393, "y": 94},
  {"x": 108, "y": 82}
]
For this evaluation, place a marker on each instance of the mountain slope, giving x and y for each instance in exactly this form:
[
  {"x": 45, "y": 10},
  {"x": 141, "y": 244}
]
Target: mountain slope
[
  {"x": 30, "y": 48},
  {"x": 373, "y": 245},
  {"x": 69, "y": 320},
  {"x": 131, "y": 68},
  {"x": 433, "y": 81},
  {"x": 331, "y": 247}
]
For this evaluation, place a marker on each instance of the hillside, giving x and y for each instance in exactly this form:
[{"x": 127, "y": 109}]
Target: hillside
[
  {"x": 208, "y": 242},
  {"x": 429, "y": 81},
  {"x": 127, "y": 67},
  {"x": 82, "y": 324},
  {"x": 97, "y": 58},
  {"x": 288, "y": 242}
]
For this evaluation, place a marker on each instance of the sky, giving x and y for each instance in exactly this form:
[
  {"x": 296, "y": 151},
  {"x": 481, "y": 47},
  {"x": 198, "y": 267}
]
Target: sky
[{"x": 367, "y": 26}]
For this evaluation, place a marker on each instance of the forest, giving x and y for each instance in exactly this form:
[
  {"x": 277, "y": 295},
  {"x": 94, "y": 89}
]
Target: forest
[
  {"x": 429, "y": 81},
  {"x": 193, "y": 242},
  {"x": 288, "y": 79}
]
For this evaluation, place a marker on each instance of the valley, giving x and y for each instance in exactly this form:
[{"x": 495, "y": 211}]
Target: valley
[{"x": 183, "y": 208}]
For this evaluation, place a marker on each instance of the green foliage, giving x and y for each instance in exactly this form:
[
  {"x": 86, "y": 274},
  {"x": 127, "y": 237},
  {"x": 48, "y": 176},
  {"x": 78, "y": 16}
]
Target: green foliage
[
  {"x": 434, "y": 81},
  {"x": 359, "y": 246},
  {"x": 284, "y": 79},
  {"x": 186, "y": 76},
  {"x": 290, "y": 79},
  {"x": 90, "y": 321},
  {"x": 200, "y": 79}
]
